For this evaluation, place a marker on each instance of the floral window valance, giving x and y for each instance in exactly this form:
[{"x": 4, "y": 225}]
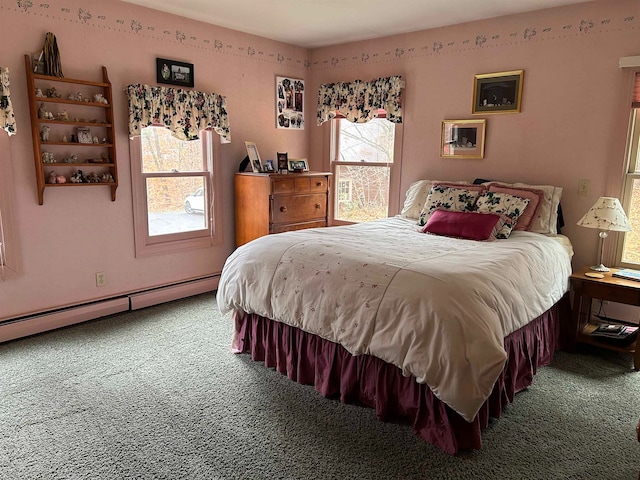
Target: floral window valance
[
  {"x": 7, "y": 118},
  {"x": 184, "y": 112},
  {"x": 360, "y": 101}
]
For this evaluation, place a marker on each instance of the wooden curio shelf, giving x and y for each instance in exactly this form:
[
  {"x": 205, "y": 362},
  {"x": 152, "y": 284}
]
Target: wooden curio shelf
[{"x": 101, "y": 119}]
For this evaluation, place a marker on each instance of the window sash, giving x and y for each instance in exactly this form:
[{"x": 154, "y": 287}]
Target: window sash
[{"x": 146, "y": 245}]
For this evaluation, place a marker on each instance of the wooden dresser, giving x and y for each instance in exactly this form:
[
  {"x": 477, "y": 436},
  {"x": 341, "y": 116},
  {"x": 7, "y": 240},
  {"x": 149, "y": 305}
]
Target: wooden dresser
[{"x": 274, "y": 203}]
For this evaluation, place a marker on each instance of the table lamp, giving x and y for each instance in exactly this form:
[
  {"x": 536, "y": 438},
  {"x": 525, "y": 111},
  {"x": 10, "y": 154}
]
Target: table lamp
[{"x": 605, "y": 215}]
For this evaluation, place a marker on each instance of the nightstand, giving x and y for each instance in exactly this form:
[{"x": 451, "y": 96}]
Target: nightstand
[{"x": 608, "y": 288}]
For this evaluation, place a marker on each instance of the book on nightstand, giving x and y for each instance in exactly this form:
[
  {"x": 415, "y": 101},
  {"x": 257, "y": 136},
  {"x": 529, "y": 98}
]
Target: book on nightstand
[
  {"x": 616, "y": 333},
  {"x": 627, "y": 274}
]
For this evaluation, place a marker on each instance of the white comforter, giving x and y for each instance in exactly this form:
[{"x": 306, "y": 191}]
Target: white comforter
[{"x": 436, "y": 307}]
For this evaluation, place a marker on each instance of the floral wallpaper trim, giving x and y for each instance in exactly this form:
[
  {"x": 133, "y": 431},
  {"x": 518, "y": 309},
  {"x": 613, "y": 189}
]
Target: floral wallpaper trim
[
  {"x": 89, "y": 17},
  {"x": 7, "y": 118},
  {"x": 359, "y": 101},
  {"x": 184, "y": 112}
]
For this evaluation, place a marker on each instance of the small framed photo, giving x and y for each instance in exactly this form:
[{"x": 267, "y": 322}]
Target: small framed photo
[
  {"x": 254, "y": 157},
  {"x": 173, "y": 72},
  {"x": 83, "y": 135},
  {"x": 283, "y": 164},
  {"x": 497, "y": 92},
  {"x": 463, "y": 138},
  {"x": 298, "y": 165},
  {"x": 268, "y": 166}
]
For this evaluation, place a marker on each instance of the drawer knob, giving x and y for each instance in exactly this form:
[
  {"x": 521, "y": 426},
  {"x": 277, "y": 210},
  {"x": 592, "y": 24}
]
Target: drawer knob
[
  {"x": 318, "y": 184},
  {"x": 283, "y": 209},
  {"x": 317, "y": 206}
]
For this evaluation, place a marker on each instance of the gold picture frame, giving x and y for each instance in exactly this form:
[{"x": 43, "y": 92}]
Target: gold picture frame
[
  {"x": 463, "y": 138},
  {"x": 497, "y": 92}
]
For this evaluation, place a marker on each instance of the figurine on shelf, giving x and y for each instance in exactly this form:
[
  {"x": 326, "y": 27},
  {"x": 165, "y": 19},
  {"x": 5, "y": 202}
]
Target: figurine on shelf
[
  {"x": 52, "y": 93},
  {"x": 39, "y": 93},
  {"x": 71, "y": 96},
  {"x": 79, "y": 96},
  {"x": 71, "y": 159},
  {"x": 99, "y": 98},
  {"x": 47, "y": 157},
  {"x": 95, "y": 139},
  {"x": 41, "y": 111},
  {"x": 61, "y": 179},
  {"x": 65, "y": 139},
  {"x": 52, "y": 177},
  {"x": 93, "y": 177},
  {"x": 44, "y": 133},
  {"x": 63, "y": 115},
  {"x": 77, "y": 177},
  {"x": 107, "y": 178}
]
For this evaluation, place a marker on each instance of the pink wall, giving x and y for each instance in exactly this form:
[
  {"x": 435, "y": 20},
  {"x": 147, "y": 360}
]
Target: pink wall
[
  {"x": 575, "y": 102},
  {"x": 79, "y": 231},
  {"x": 573, "y": 121}
]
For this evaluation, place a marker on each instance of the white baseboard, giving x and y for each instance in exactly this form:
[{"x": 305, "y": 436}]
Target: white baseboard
[{"x": 45, "y": 321}]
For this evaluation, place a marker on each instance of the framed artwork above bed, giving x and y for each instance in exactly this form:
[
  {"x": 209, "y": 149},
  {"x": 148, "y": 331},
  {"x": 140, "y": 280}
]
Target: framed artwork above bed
[
  {"x": 463, "y": 138},
  {"x": 497, "y": 92}
]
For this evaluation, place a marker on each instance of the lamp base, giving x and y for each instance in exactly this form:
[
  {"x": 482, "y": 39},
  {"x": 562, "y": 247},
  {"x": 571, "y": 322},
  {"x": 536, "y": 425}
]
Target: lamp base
[{"x": 599, "y": 268}]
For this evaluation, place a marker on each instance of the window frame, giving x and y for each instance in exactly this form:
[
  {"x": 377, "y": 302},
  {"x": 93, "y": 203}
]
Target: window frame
[
  {"x": 395, "y": 168},
  {"x": 9, "y": 258},
  {"x": 631, "y": 173},
  {"x": 146, "y": 245}
]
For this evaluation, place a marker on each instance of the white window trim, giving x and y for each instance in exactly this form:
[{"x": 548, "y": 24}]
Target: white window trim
[
  {"x": 394, "y": 172},
  {"x": 9, "y": 258},
  {"x": 633, "y": 144},
  {"x": 172, "y": 243}
]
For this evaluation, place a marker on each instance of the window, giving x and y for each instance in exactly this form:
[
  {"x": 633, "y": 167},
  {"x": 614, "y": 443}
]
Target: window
[
  {"x": 365, "y": 166},
  {"x": 8, "y": 243},
  {"x": 173, "y": 185},
  {"x": 630, "y": 251}
]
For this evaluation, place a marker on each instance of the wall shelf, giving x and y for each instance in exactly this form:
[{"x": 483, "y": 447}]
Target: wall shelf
[{"x": 101, "y": 126}]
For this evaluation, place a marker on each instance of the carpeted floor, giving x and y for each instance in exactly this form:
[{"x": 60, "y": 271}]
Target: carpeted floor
[{"x": 157, "y": 394}]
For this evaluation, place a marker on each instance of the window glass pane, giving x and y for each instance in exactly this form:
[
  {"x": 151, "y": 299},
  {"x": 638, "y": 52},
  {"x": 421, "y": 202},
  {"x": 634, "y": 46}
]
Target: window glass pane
[
  {"x": 176, "y": 205},
  {"x": 362, "y": 193},
  {"x": 366, "y": 142},
  {"x": 631, "y": 251},
  {"x": 161, "y": 152}
]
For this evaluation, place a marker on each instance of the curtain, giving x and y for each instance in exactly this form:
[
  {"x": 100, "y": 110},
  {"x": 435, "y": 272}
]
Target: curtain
[
  {"x": 360, "y": 101},
  {"x": 7, "y": 118},
  {"x": 184, "y": 112}
]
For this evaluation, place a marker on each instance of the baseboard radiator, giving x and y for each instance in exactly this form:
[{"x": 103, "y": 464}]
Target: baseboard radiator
[{"x": 44, "y": 321}]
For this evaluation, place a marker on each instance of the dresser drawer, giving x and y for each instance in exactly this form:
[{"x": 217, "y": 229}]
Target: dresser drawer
[
  {"x": 297, "y": 208},
  {"x": 290, "y": 227},
  {"x": 294, "y": 184}
]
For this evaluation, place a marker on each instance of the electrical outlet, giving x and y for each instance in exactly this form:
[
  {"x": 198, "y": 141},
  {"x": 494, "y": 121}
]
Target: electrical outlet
[
  {"x": 101, "y": 279},
  {"x": 584, "y": 186}
]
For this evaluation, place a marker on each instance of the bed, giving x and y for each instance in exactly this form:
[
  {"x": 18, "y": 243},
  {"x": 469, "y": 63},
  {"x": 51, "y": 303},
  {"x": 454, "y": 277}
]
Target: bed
[{"x": 406, "y": 316}]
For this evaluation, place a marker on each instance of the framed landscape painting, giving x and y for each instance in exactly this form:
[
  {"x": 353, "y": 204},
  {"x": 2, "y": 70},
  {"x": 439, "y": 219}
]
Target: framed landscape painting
[{"x": 463, "y": 138}]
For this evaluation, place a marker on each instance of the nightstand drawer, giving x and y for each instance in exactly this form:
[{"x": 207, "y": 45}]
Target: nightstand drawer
[
  {"x": 611, "y": 292},
  {"x": 297, "y": 208}
]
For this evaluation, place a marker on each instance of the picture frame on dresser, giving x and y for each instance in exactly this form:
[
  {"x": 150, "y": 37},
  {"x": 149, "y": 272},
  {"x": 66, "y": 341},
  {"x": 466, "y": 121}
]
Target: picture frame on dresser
[
  {"x": 254, "y": 157},
  {"x": 298, "y": 165},
  {"x": 283, "y": 164}
]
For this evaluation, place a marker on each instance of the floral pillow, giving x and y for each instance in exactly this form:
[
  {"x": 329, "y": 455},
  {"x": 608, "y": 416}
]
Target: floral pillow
[
  {"x": 505, "y": 204},
  {"x": 442, "y": 197}
]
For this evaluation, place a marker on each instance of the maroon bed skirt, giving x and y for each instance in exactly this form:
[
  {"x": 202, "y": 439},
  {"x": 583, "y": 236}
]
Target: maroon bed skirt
[{"x": 365, "y": 379}]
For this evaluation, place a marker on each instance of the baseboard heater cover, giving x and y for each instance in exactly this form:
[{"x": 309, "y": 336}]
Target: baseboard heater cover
[
  {"x": 45, "y": 321},
  {"x": 173, "y": 292},
  {"x": 62, "y": 318}
]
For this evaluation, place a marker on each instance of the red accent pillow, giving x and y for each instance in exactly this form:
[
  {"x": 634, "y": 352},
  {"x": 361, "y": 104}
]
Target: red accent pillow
[{"x": 467, "y": 225}]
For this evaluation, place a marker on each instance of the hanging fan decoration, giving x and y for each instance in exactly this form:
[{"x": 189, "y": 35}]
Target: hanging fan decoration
[{"x": 52, "y": 65}]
